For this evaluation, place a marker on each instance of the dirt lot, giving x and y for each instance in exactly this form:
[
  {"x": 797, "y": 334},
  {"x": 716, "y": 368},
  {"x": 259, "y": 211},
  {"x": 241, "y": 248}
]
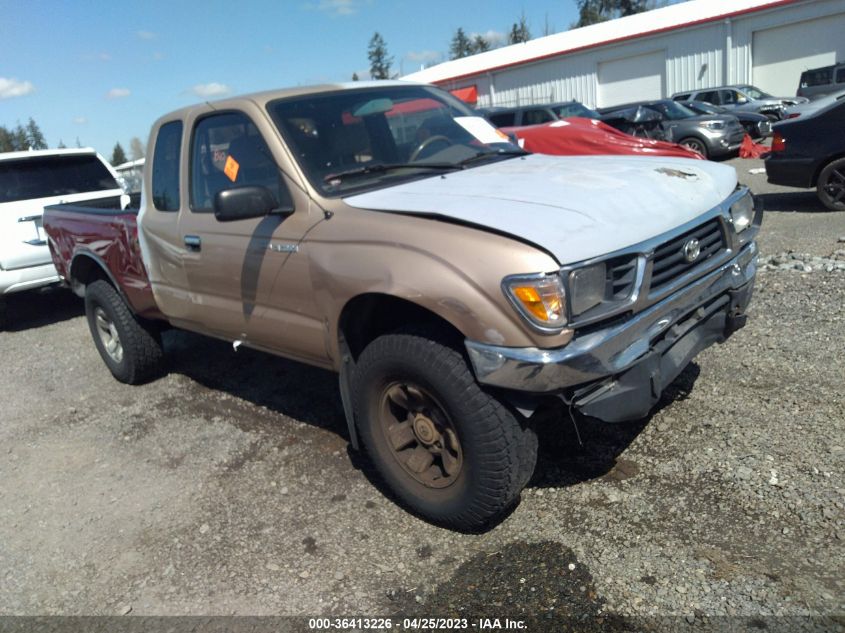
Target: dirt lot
[{"x": 227, "y": 487}]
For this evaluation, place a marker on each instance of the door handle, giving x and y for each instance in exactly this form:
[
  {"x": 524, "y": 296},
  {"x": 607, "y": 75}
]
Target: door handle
[{"x": 193, "y": 242}]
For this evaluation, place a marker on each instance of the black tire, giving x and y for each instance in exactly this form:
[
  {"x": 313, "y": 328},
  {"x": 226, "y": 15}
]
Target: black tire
[
  {"x": 141, "y": 356},
  {"x": 831, "y": 185},
  {"x": 497, "y": 449},
  {"x": 695, "y": 144},
  {"x": 3, "y": 314}
]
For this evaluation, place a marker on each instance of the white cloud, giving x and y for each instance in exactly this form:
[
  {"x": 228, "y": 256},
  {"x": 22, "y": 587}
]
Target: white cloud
[
  {"x": 494, "y": 38},
  {"x": 146, "y": 35},
  {"x": 80, "y": 120},
  {"x": 105, "y": 57},
  {"x": 335, "y": 8},
  {"x": 118, "y": 93},
  {"x": 158, "y": 56},
  {"x": 13, "y": 88},
  {"x": 212, "y": 89},
  {"x": 424, "y": 57}
]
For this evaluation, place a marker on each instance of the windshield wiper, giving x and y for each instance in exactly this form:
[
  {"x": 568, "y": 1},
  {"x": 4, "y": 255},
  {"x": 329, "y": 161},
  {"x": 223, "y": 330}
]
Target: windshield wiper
[
  {"x": 385, "y": 167},
  {"x": 482, "y": 155}
]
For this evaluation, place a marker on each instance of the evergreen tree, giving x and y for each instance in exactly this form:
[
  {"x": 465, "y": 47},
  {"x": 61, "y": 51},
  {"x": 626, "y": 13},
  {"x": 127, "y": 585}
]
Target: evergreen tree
[
  {"x": 380, "y": 61},
  {"x": 61, "y": 145},
  {"x": 118, "y": 156},
  {"x": 594, "y": 11},
  {"x": 34, "y": 137},
  {"x": 354, "y": 76},
  {"x": 519, "y": 31},
  {"x": 461, "y": 45}
]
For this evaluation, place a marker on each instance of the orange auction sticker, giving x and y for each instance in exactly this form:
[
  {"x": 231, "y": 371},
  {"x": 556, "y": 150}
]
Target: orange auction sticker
[{"x": 231, "y": 169}]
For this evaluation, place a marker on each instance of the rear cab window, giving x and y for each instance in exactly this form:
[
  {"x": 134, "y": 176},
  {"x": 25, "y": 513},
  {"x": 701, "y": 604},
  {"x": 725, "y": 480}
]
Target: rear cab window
[
  {"x": 817, "y": 77},
  {"x": 47, "y": 176},
  {"x": 166, "y": 167},
  {"x": 503, "y": 119}
]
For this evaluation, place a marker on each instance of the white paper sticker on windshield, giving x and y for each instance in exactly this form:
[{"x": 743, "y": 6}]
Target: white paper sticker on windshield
[{"x": 481, "y": 129}]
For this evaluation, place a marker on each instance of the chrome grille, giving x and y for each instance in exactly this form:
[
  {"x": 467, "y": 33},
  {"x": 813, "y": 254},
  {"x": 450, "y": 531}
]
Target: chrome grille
[{"x": 668, "y": 261}]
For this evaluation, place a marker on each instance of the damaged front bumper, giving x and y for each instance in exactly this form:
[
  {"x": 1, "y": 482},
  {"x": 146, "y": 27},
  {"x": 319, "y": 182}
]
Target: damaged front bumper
[{"x": 618, "y": 372}]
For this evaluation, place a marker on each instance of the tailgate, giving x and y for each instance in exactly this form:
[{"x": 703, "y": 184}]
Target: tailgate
[{"x": 23, "y": 242}]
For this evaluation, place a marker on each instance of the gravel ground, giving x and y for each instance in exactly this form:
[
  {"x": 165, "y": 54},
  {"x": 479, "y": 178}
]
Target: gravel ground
[{"x": 227, "y": 487}]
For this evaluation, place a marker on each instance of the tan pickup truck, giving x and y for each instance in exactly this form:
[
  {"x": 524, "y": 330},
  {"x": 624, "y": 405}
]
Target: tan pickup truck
[{"x": 457, "y": 284}]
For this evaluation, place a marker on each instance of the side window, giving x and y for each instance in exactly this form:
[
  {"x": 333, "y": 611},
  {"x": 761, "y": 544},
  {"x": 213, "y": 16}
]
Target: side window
[
  {"x": 728, "y": 97},
  {"x": 710, "y": 97},
  {"x": 166, "y": 167},
  {"x": 535, "y": 117},
  {"x": 681, "y": 97},
  {"x": 227, "y": 151},
  {"x": 840, "y": 75},
  {"x": 820, "y": 77},
  {"x": 505, "y": 119}
]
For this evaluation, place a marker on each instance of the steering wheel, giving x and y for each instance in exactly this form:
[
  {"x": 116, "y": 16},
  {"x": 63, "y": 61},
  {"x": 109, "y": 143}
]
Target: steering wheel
[{"x": 431, "y": 139}]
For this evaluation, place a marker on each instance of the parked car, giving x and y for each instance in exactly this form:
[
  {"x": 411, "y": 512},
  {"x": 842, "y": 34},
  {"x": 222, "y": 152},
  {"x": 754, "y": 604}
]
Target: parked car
[
  {"x": 810, "y": 152},
  {"x": 457, "y": 283},
  {"x": 756, "y": 125},
  {"x": 743, "y": 98},
  {"x": 637, "y": 121},
  {"x": 536, "y": 114},
  {"x": 808, "y": 109},
  {"x": 711, "y": 135},
  {"x": 30, "y": 180},
  {"x": 819, "y": 82}
]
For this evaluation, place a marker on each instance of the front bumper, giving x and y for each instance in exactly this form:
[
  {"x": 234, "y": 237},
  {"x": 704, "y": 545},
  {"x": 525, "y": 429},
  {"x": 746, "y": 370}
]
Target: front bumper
[{"x": 618, "y": 372}]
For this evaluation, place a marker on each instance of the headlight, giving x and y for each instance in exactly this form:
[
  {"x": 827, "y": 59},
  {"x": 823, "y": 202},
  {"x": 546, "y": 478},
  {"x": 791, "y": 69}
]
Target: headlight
[
  {"x": 713, "y": 125},
  {"x": 587, "y": 287},
  {"x": 539, "y": 298},
  {"x": 742, "y": 213}
]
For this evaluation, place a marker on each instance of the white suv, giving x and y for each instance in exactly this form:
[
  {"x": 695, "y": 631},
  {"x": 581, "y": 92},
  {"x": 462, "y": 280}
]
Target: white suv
[{"x": 28, "y": 182}]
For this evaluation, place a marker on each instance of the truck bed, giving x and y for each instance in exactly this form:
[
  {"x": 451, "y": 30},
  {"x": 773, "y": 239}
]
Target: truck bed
[{"x": 90, "y": 236}]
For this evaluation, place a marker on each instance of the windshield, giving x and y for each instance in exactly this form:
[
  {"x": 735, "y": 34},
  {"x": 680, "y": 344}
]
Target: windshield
[
  {"x": 575, "y": 109},
  {"x": 755, "y": 93},
  {"x": 375, "y": 137},
  {"x": 672, "y": 110}
]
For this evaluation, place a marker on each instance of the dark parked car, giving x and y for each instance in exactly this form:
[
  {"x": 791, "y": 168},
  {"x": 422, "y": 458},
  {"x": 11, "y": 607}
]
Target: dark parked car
[
  {"x": 756, "y": 125},
  {"x": 808, "y": 152},
  {"x": 536, "y": 114},
  {"x": 710, "y": 134},
  {"x": 742, "y": 97}
]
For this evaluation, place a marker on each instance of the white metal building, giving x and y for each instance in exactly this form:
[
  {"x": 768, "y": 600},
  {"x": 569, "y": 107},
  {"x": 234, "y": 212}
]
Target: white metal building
[{"x": 695, "y": 44}]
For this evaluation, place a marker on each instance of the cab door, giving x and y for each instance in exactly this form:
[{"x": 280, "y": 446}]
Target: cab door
[{"x": 248, "y": 278}]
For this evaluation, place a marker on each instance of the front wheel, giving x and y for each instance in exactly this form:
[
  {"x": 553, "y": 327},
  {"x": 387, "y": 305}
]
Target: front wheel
[
  {"x": 449, "y": 450},
  {"x": 130, "y": 348},
  {"x": 831, "y": 185},
  {"x": 695, "y": 145}
]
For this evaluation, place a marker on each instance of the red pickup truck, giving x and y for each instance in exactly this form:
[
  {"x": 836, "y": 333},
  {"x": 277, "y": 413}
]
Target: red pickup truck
[{"x": 456, "y": 283}]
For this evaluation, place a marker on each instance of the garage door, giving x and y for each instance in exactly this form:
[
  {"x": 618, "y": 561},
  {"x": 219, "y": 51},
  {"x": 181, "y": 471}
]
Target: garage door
[
  {"x": 631, "y": 79},
  {"x": 780, "y": 55}
]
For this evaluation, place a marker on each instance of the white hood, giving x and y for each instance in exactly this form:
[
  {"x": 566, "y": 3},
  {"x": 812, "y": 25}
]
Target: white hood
[{"x": 575, "y": 207}]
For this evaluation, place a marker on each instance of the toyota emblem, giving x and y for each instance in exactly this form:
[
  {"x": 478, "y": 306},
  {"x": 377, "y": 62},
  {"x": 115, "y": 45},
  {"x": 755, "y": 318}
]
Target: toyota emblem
[{"x": 692, "y": 249}]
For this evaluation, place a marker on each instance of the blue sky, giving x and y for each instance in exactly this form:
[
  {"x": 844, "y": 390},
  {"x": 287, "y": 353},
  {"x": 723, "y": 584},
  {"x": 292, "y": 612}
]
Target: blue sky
[{"x": 104, "y": 71}]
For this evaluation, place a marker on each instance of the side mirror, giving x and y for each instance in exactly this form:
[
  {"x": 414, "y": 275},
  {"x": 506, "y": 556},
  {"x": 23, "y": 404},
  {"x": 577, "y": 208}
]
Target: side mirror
[{"x": 243, "y": 203}]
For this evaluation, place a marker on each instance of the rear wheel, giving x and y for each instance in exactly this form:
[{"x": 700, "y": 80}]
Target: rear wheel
[
  {"x": 695, "y": 145},
  {"x": 449, "y": 450},
  {"x": 831, "y": 185},
  {"x": 130, "y": 348}
]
